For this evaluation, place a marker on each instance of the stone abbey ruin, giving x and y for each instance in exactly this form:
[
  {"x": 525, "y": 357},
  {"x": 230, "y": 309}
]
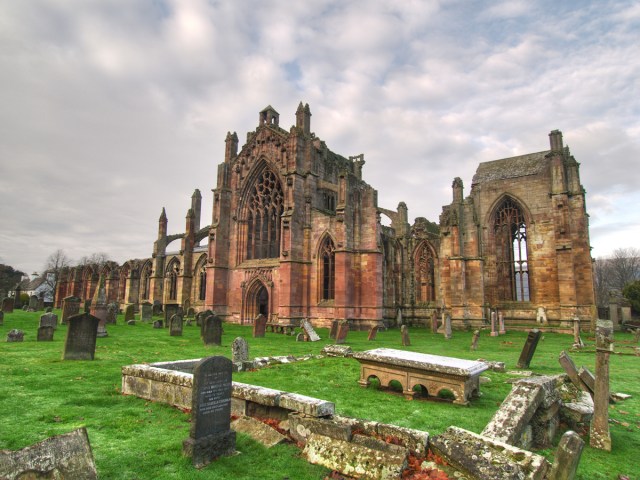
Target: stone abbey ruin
[{"x": 296, "y": 233}]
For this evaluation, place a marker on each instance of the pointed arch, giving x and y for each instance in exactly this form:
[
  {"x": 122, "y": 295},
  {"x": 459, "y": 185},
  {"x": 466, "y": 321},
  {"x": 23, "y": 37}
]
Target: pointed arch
[
  {"x": 257, "y": 300},
  {"x": 145, "y": 280},
  {"x": 509, "y": 227},
  {"x": 261, "y": 209},
  {"x": 326, "y": 268},
  {"x": 424, "y": 264},
  {"x": 173, "y": 270},
  {"x": 200, "y": 274}
]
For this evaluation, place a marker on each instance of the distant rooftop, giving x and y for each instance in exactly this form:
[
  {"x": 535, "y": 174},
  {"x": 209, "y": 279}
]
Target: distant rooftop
[{"x": 513, "y": 167}]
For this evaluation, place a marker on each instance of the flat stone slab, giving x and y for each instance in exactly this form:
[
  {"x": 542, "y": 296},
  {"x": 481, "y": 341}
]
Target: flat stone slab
[
  {"x": 354, "y": 459},
  {"x": 63, "y": 456},
  {"x": 259, "y": 431},
  {"x": 484, "y": 458},
  {"x": 309, "y": 405},
  {"x": 337, "y": 351},
  {"x": 423, "y": 361}
]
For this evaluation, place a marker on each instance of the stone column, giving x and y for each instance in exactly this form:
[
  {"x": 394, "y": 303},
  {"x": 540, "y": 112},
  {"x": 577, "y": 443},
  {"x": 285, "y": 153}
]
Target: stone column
[
  {"x": 501, "y": 323},
  {"x": 494, "y": 329},
  {"x": 600, "y": 437}
]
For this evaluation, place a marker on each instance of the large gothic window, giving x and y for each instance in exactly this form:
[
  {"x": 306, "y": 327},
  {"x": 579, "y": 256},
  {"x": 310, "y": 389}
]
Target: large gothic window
[
  {"x": 328, "y": 270},
  {"x": 264, "y": 209},
  {"x": 202, "y": 292},
  {"x": 146, "y": 281},
  {"x": 510, "y": 232},
  {"x": 424, "y": 269},
  {"x": 174, "y": 269}
]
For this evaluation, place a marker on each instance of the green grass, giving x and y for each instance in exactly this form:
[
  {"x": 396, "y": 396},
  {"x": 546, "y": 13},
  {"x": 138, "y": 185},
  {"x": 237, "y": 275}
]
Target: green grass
[{"x": 41, "y": 396}]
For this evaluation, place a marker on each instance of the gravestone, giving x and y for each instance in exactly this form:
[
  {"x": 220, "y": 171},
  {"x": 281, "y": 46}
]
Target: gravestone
[
  {"x": 300, "y": 337},
  {"x": 406, "y": 341},
  {"x": 33, "y": 303},
  {"x": 87, "y": 306},
  {"x": 157, "y": 308},
  {"x": 572, "y": 372},
  {"x": 529, "y": 348},
  {"x": 131, "y": 322},
  {"x": 170, "y": 309},
  {"x": 15, "y": 335},
  {"x": 494, "y": 327},
  {"x": 98, "y": 307},
  {"x": 399, "y": 318},
  {"x": 129, "y": 313},
  {"x": 40, "y": 305},
  {"x": 259, "y": 326},
  {"x": 70, "y": 307},
  {"x": 210, "y": 435},
  {"x": 502, "y": 330},
  {"x": 157, "y": 324},
  {"x": 146, "y": 312},
  {"x": 191, "y": 312},
  {"x": 600, "y": 437},
  {"x": 567, "y": 457},
  {"x": 1, "y": 318},
  {"x": 49, "y": 320},
  {"x": 7, "y": 305},
  {"x": 25, "y": 308},
  {"x": 175, "y": 329},
  {"x": 239, "y": 350},
  {"x": 45, "y": 333},
  {"x": 434, "y": 322},
  {"x": 334, "y": 329},
  {"x": 447, "y": 326},
  {"x": 310, "y": 333},
  {"x": 80, "y": 342},
  {"x": 112, "y": 313},
  {"x": 541, "y": 316},
  {"x": 474, "y": 341},
  {"x": 200, "y": 320},
  {"x": 48, "y": 310},
  {"x": 212, "y": 330},
  {"x": 577, "y": 340},
  {"x": 373, "y": 331},
  {"x": 343, "y": 330}
]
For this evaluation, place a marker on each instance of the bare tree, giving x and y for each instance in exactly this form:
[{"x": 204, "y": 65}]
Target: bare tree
[
  {"x": 624, "y": 266},
  {"x": 602, "y": 280},
  {"x": 52, "y": 268},
  {"x": 99, "y": 258}
]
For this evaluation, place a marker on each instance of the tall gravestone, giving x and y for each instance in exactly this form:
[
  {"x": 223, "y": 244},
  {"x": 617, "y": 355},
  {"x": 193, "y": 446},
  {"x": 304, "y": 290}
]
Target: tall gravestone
[
  {"x": 343, "y": 330},
  {"x": 434, "y": 322},
  {"x": 334, "y": 329},
  {"x": 112, "y": 313},
  {"x": 373, "y": 331},
  {"x": 259, "y": 326},
  {"x": 212, "y": 330},
  {"x": 70, "y": 307},
  {"x": 49, "y": 320},
  {"x": 600, "y": 437},
  {"x": 40, "y": 304},
  {"x": 239, "y": 350},
  {"x": 309, "y": 331},
  {"x": 170, "y": 309},
  {"x": 7, "y": 305},
  {"x": 80, "y": 342},
  {"x": 210, "y": 435},
  {"x": 200, "y": 317},
  {"x": 406, "y": 341},
  {"x": 98, "y": 307},
  {"x": 33, "y": 303},
  {"x": 45, "y": 333},
  {"x": 494, "y": 326},
  {"x": 17, "y": 303},
  {"x": 175, "y": 329},
  {"x": 447, "y": 326},
  {"x": 474, "y": 340},
  {"x": 146, "y": 312},
  {"x": 502, "y": 330},
  {"x": 529, "y": 348},
  {"x": 157, "y": 308},
  {"x": 129, "y": 313}
]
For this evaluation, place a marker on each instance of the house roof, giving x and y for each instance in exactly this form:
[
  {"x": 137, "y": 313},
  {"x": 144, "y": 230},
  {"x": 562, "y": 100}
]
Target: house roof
[{"x": 513, "y": 167}]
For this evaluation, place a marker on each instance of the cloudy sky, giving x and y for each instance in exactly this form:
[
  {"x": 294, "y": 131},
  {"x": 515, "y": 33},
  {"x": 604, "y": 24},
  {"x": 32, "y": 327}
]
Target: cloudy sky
[{"x": 110, "y": 110}]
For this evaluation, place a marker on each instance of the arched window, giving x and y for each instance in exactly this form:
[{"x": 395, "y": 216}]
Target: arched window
[
  {"x": 146, "y": 281},
  {"x": 510, "y": 232},
  {"x": 424, "y": 269},
  {"x": 202, "y": 291},
  {"x": 327, "y": 259},
  {"x": 173, "y": 280},
  {"x": 264, "y": 209}
]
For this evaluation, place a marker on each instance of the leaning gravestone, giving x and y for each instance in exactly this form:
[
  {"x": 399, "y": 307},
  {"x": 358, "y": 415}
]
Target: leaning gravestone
[
  {"x": 529, "y": 348},
  {"x": 259, "y": 326},
  {"x": 146, "y": 312},
  {"x": 49, "y": 320},
  {"x": 474, "y": 340},
  {"x": 405, "y": 335},
  {"x": 334, "y": 329},
  {"x": 70, "y": 307},
  {"x": 112, "y": 313},
  {"x": 343, "y": 330},
  {"x": 210, "y": 435},
  {"x": 15, "y": 335},
  {"x": 212, "y": 330},
  {"x": 80, "y": 342},
  {"x": 309, "y": 332},
  {"x": 99, "y": 308},
  {"x": 239, "y": 350},
  {"x": 129, "y": 313},
  {"x": 66, "y": 456},
  {"x": 45, "y": 334},
  {"x": 373, "y": 331},
  {"x": 7, "y": 305},
  {"x": 175, "y": 329}
]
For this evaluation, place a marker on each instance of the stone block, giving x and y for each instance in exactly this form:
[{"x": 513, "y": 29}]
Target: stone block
[
  {"x": 415, "y": 440},
  {"x": 337, "y": 351},
  {"x": 259, "y": 431},
  {"x": 309, "y": 405},
  {"x": 253, "y": 393},
  {"x": 302, "y": 426}
]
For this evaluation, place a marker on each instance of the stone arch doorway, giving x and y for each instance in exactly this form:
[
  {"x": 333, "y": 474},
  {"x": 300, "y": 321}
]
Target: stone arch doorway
[{"x": 257, "y": 302}]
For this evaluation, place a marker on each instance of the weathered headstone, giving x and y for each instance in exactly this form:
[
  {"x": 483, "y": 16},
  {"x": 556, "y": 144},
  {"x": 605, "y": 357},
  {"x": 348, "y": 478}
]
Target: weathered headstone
[
  {"x": 129, "y": 313},
  {"x": 373, "y": 331},
  {"x": 494, "y": 326},
  {"x": 529, "y": 348},
  {"x": 501, "y": 330},
  {"x": 33, "y": 303},
  {"x": 572, "y": 372},
  {"x": 200, "y": 320},
  {"x": 447, "y": 326},
  {"x": 99, "y": 307},
  {"x": 600, "y": 437},
  {"x": 399, "y": 317},
  {"x": 239, "y": 350},
  {"x": 301, "y": 337},
  {"x": 1, "y": 318},
  {"x": 66, "y": 456},
  {"x": 541, "y": 316},
  {"x": 191, "y": 312},
  {"x": 175, "y": 329},
  {"x": 45, "y": 333},
  {"x": 334, "y": 329},
  {"x": 112, "y": 313},
  {"x": 7, "y": 305},
  {"x": 70, "y": 307},
  {"x": 210, "y": 435},
  {"x": 49, "y": 320},
  {"x": 567, "y": 457},
  {"x": 474, "y": 341},
  {"x": 259, "y": 326},
  {"x": 212, "y": 330},
  {"x": 434, "y": 322},
  {"x": 157, "y": 324},
  {"x": 577, "y": 341},
  {"x": 15, "y": 335},
  {"x": 406, "y": 341},
  {"x": 146, "y": 312},
  {"x": 343, "y": 330},
  {"x": 80, "y": 342},
  {"x": 40, "y": 305},
  {"x": 48, "y": 310},
  {"x": 157, "y": 308},
  {"x": 309, "y": 330},
  {"x": 170, "y": 309}
]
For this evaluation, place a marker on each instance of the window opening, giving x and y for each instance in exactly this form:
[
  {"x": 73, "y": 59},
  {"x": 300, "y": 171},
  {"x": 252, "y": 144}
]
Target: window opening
[
  {"x": 511, "y": 253},
  {"x": 328, "y": 259},
  {"x": 265, "y": 207}
]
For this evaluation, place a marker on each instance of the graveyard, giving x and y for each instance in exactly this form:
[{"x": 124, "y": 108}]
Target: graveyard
[{"x": 44, "y": 395}]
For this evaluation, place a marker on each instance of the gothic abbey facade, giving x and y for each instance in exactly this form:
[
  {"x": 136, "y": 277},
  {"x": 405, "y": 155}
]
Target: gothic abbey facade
[{"x": 296, "y": 233}]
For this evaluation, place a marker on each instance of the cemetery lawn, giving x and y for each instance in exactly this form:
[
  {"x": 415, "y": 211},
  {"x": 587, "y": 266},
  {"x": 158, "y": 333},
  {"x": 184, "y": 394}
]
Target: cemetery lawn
[{"x": 132, "y": 438}]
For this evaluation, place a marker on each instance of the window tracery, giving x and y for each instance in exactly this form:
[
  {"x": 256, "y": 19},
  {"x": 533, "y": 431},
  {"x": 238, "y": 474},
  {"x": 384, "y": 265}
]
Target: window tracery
[
  {"x": 328, "y": 272},
  {"x": 264, "y": 209},
  {"x": 510, "y": 232},
  {"x": 425, "y": 274}
]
